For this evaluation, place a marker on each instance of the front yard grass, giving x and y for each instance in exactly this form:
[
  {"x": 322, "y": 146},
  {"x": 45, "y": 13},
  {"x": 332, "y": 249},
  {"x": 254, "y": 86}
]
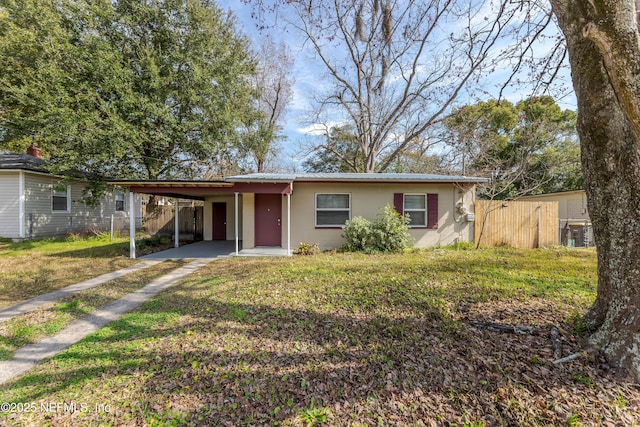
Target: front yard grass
[
  {"x": 343, "y": 340},
  {"x": 50, "y": 319},
  {"x": 35, "y": 267}
]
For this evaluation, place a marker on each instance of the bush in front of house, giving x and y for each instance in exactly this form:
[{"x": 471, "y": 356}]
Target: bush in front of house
[
  {"x": 388, "y": 233},
  {"x": 305, "y": 248},
  {"x": 358, "y": 233}
]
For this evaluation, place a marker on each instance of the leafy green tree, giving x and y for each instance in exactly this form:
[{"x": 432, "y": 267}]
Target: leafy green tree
[
  {"x": 123, "y": 88},
  {"x": 527, "y": 147}
]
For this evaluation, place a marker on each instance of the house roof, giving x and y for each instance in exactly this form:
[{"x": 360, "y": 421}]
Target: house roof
[
  {"x": 354, "y": 177},
  {"x": 22, "y": 162},
  {"x": 274, "y": 183}
]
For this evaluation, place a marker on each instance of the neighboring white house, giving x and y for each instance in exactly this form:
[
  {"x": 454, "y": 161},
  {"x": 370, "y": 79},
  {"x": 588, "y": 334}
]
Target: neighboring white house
[
  {"x": 575, "y": 224},
  {"x": 35, "y": 203}
]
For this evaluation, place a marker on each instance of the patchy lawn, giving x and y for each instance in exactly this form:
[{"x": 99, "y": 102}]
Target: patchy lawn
[
  {"x": 52, "y": 318},
  {"x": 35, "y": 267},
  {"x": 341, "y": 340}
]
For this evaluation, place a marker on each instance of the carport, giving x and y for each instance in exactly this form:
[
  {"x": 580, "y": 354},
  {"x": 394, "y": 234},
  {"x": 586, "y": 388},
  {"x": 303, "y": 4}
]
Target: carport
[{"x": 225, "y": 193}]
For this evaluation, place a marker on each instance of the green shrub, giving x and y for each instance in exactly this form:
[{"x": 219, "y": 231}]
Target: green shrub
[
  {"x": 388, "y": 233},
  {"x": 391, "y": 231},
  {"x": 358, "y": 233},
  {"x": 305, "y": 248}
]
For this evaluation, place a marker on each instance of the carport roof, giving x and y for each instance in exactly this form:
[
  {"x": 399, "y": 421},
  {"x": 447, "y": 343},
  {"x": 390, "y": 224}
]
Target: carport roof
[
  {"x": 198, "y": 190},
  {"x": 170, "y": 183},
  {"x": 172, "y": 188}
]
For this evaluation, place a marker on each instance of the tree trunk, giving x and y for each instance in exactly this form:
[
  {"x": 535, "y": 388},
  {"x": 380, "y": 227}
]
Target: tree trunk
[{"x": 605, "y": 62}]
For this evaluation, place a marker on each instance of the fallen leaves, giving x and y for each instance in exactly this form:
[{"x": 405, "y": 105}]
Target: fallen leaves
[{"x": 345, "y": 340}]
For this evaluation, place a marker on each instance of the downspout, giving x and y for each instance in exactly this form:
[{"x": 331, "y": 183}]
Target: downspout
[{"x": 21, "y": 207}]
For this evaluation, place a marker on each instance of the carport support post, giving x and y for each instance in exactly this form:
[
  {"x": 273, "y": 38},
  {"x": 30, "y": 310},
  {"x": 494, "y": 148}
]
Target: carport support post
[
  {"x": 176, "y": 229},
  {"x": 132, "y": 226},
  {"x": 236, "y": 200}
]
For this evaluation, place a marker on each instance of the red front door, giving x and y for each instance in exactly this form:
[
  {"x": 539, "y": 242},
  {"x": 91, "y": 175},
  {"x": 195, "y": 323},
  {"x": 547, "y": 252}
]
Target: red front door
[
  {"x": 268, "y": 219},
  {"x": 219, "y": 221}
]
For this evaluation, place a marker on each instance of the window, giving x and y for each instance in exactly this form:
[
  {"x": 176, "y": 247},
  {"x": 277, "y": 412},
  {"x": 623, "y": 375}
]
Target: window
[
  {"x": 418, "y": 206},
  {"x": 332, "y": 210},
  {"x": 60, "y": 200},
  {"x": 119, "y": 202},
  {"x": 415, "y": 205}
]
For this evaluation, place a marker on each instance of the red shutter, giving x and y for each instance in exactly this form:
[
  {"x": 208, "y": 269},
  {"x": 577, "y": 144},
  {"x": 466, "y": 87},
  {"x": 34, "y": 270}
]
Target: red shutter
[
  {"x": 432, "y": 211},
  {"x": 398, "y": 202}
]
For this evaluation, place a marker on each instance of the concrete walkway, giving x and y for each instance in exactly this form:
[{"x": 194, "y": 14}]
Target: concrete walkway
[
  {"x": 28, "y": 356},
  {"x": 36, "y": 302}
]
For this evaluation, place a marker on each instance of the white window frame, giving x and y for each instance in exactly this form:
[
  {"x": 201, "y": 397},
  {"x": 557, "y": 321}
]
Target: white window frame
[
  {"x": 316, "y": 209},
  {"x": 408, "y": 211},
  {"x": 58, "y": 193},
  {"x": 116, "y": 195}
]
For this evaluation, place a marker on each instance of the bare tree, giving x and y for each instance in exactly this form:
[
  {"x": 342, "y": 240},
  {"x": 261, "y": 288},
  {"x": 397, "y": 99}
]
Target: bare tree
[
  {"x": 603, "y": 42},
  {"x": 395, "y": 67},
  {"x": 273, "y": 83}
]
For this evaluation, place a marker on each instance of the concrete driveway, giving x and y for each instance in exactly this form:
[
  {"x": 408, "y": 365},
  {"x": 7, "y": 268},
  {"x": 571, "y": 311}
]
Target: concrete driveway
[{"x": 213, "y": 249}]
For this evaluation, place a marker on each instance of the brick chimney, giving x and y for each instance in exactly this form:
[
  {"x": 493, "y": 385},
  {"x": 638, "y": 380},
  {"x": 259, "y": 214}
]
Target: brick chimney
[{"x": 34, "y": 151}]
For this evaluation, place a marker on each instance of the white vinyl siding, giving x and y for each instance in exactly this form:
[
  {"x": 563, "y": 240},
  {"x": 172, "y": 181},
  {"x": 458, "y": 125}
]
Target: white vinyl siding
[
  {"x": 10, "y": 205},
  {"x": 332, "y": 210},
  {"x": 41, "y": 221}
]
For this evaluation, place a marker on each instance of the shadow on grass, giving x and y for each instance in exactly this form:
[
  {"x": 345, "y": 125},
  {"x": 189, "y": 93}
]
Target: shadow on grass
[
  {"x": 102, "y": 251},
  {"x": 185, "y": 360}
]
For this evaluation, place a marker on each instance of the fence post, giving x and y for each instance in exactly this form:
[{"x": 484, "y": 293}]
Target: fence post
[{"x": 111, "y": 229}]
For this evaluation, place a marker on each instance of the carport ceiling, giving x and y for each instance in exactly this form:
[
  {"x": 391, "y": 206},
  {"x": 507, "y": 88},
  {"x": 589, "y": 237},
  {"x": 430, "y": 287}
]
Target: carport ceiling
[{"x": 193, "y": 190}]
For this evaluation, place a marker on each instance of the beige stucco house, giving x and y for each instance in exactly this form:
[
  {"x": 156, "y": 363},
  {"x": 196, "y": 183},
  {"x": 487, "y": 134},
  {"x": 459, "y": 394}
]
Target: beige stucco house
[
  {"x": 35, "y": 203},
  {"x": 283, "y": 210}
]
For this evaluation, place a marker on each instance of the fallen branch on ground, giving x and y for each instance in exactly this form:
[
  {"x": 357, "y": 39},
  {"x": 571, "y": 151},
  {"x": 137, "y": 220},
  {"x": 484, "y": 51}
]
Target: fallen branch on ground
[
  {"x": 512, "y": 329},
  {"x": 569, "y": 358}
]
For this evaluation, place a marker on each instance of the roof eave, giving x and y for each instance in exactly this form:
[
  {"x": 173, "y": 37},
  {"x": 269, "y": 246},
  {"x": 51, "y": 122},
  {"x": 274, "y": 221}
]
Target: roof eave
[{"x": 398, "y": 181}]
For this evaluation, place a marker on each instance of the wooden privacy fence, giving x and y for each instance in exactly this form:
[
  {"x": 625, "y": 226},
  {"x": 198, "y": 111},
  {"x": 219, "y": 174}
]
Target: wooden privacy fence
[
  {"x": 518, "y": 224},
  {"x": 160, "y": 222}
]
